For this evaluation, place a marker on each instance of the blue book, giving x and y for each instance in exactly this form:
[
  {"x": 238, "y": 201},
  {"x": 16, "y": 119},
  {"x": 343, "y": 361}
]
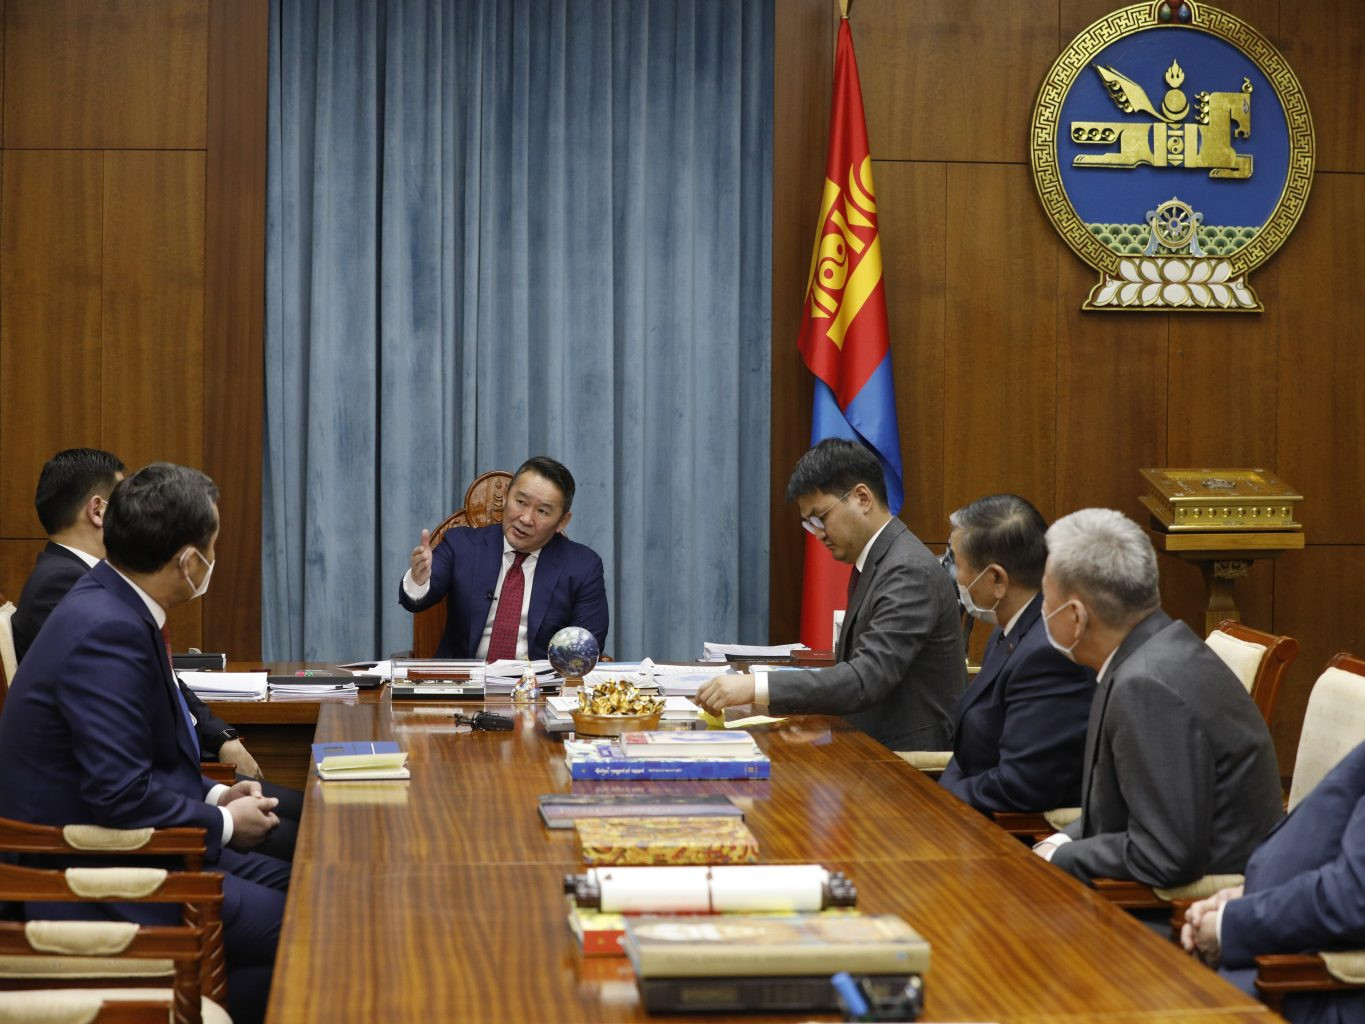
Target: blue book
[
  {"x": 588, "y": 760},
  {"x": 353, "y": 748}
]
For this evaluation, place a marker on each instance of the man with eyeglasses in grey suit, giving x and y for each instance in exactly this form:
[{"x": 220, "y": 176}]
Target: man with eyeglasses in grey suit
[{"x": 901, "y": 664}]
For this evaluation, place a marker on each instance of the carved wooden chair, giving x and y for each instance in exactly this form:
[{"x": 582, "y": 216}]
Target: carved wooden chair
[
  {"x": 483, "y": 505},
  {"x": 73, "y": 841},
  {"x": 82, "y": 955},
  {"x": 1258, "y": 659}
]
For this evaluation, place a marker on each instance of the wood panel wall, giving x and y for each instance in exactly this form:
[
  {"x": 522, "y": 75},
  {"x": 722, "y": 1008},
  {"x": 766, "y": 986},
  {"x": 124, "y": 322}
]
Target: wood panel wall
[
  {"x": 132, "y": 219},
  {"x": 1002, "y": 383}
]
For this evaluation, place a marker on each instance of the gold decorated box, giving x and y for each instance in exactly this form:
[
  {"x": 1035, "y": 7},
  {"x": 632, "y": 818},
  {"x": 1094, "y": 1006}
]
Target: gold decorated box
[
  {"x": 679, "y": 840},
  {"x": 1216, "y": 500}
]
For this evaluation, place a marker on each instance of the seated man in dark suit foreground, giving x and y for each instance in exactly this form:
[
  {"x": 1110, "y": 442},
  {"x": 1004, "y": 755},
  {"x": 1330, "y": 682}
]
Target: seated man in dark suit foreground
[
  {"x": 1019, "y": 728},
  {"x": 1304, "y": 893},
  {"x": 511, "y": 586},
  {"x": 901, "y": 662},
  {"x": 73, "y": 493},
  {"x": 1180, "y": 778},
  {"x": 96, "y": 731}
]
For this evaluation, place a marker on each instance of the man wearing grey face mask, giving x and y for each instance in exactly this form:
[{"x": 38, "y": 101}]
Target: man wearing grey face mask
[{"x": 1019, "y": 727}]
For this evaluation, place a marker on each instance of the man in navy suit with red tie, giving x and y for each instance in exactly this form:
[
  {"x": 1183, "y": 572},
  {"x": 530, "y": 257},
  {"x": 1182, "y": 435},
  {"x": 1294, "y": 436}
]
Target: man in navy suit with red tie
[
  {"x": 96, "y": 730},
  {"x": 511, "y": 586}
]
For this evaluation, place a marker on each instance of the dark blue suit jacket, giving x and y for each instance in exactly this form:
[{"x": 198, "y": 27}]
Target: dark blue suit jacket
[
  {"x": 1305, "y": 890},
  {"x": 93, "y": 729},
  {"x": 567, "y": 590},
  {"x": 1019, "y": 728}
]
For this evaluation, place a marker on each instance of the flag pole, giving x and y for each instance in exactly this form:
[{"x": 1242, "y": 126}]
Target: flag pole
[{"x": 843, "y": 9}]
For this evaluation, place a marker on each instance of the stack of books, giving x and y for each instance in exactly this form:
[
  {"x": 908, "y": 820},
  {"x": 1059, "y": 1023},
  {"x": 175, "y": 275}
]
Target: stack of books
[
  {"x": 603, "y": 841},
  {"x": 777, "y": 963},
  {"x": 710, "y": 754}
]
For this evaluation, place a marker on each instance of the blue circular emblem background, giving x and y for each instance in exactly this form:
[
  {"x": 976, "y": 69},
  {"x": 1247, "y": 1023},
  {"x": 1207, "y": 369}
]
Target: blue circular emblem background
[{"x": 1210, "y": 64}]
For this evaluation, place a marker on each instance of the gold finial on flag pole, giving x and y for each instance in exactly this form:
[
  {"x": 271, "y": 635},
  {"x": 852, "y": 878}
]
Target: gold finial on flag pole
[{"x": 843, "y": 9}]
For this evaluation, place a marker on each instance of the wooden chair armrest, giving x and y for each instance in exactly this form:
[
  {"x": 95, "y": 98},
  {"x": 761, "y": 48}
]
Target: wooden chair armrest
[
  {"x": 1280, "y": 974},
  {"x": 1129, "y": 895},
  {"x": 217, "y": 771},
  {"x": 1028, "y": 826},
  {"x": 930, "y": 762}
]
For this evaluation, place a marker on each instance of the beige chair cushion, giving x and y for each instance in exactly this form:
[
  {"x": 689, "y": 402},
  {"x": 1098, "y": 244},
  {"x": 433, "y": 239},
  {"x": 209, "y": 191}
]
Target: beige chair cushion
[
  {"x": 1200, "y": 887},
  {"x": 84, "y": 967},
  {"x": 113, "y": 883},
  {"x": 927, "y": 760},
  {"x": 97, "y": 837},
  {"x": 1061, "y": 817},
  {"x": 8, "y": 657},
  {"x": 1346, "y": 966},
  {"x": 1333, "y": 726},
  {"x": 79, "y": 1006},
  {"x": 1242, "y": 656},
  {"x": 80, "y": 938}
]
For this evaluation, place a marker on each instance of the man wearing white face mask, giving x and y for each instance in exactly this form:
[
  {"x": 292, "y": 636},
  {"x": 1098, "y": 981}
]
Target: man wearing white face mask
[
  {"x": 1180, "y": 778},
  {"x": 96, "y": 730},
  {"x": 1019, "y": 728}
]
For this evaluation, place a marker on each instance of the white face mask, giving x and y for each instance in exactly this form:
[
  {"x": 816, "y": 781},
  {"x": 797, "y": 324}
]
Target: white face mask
[
  {"x": 986, "y": 615},
  {"x": 203, "y": 587},
  {"x": 1066, "y": 651}
]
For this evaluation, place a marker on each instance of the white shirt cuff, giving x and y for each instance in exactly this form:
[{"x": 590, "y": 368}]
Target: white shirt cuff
[
  {"x": 1218, "y": 925},
  {"x": 413, "y": 591},
  {"x": 1049, "y": 846},
  {"x": 761, "y": 686},
  {"x": 214, "y": 794}
]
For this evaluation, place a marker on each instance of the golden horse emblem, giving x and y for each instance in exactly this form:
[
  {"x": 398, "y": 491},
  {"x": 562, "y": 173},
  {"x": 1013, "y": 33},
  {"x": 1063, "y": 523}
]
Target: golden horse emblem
[{"x": 1207, "y": 142}]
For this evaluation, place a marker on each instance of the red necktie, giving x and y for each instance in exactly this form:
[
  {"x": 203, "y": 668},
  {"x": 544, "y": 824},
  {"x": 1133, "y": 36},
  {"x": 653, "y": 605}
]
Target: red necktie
[
  {"x": 507, "y": 622},
  {"x": 852, "y": 584}
]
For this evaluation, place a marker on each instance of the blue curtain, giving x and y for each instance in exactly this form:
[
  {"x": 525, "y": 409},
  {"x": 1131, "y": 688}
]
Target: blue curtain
[{"x": 514, "y": 227}]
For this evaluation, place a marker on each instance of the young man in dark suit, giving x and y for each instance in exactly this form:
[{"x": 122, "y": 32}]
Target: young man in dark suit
[
  {"x": 1180, "y": 778},
  {"x": 96, "y": 730},
  {"x": 73, "y": 493},
  {"x": 901, "y": 664},
  {"x": 1019, "y": 728},
  {"x": 1304, "y": 893},
  {"x": 511, "y": 586}
]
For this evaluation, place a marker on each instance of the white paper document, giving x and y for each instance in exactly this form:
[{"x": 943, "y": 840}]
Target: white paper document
[
  {"x": 718, "y": 652},
  {"x": 226, "y": 685}
]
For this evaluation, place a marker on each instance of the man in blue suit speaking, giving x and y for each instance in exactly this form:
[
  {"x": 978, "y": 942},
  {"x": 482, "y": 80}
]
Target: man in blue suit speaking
[{"x": 510, "y": 587}]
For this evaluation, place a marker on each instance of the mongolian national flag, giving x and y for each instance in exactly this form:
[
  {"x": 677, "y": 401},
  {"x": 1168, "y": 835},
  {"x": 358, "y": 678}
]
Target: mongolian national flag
[{"x": 845, "y": 340}]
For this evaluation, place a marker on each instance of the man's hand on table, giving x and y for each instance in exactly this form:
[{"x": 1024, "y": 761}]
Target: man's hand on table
[{"x": 727, "y": 691}]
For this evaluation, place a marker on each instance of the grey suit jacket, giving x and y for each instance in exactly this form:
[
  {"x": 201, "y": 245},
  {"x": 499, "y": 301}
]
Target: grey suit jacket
[
  {"x": 901, "y": 661},
  {"x": 1180, "y": 778}
]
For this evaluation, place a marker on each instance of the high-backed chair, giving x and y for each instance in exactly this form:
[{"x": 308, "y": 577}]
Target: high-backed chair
[
  {"x": 1258, "y": 659},
  {"x": 1333, "y": 725},
  {"x": 483, "y": 505},
  {"x": 184, "y": 845},
  {"x": 74, "y": 954}
]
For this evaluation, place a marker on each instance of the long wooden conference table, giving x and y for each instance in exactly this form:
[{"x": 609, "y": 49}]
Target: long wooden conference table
[{"x": 439, "y": 899}]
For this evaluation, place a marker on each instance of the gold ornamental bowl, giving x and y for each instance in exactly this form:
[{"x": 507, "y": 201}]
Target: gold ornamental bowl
[{"x": 588, "y": 724}]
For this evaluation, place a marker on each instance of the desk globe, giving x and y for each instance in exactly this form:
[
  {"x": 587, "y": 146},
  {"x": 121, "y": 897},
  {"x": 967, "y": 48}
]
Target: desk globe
[{"x": 573, "y": 653}]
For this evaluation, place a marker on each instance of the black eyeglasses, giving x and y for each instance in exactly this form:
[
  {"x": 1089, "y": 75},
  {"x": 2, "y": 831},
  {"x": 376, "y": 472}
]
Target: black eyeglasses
[{"x": 815, "y": 523}]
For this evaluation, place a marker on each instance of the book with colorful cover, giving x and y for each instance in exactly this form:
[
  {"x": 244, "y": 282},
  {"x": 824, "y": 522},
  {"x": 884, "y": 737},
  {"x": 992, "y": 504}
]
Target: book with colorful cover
[
  {"x": 606, "y": 841},
  {"x": 598, "y": 933},
  {"x": 756, "y": 945},
  {"x": 360, "y": 759},
  {"x": 560, "y": 810},
  {"x": 603, "y": 759},
  {"x": 701, "y": 743}
]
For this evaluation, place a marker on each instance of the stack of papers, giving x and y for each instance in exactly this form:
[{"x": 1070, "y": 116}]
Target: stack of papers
[
  {"x": 500, "y": 676},
  {"x": 719, "y": 652},
  {"x": 226, "y": 685},
  {"x": 310, "y": 689}
]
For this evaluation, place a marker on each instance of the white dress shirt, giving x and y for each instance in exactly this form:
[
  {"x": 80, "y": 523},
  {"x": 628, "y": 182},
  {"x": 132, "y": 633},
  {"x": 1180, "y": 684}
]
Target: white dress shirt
[
  {"x": 528, "y": 572},
  {"x": 159, "y": 616}
]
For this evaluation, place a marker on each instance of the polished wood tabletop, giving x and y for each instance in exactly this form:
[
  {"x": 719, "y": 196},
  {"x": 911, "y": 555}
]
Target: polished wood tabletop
[{"x": 439, "y": 899}]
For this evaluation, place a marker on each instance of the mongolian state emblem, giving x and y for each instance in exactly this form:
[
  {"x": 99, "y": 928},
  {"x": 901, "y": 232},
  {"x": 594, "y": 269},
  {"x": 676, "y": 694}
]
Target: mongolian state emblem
[{"x": 1173, "y": 151}]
